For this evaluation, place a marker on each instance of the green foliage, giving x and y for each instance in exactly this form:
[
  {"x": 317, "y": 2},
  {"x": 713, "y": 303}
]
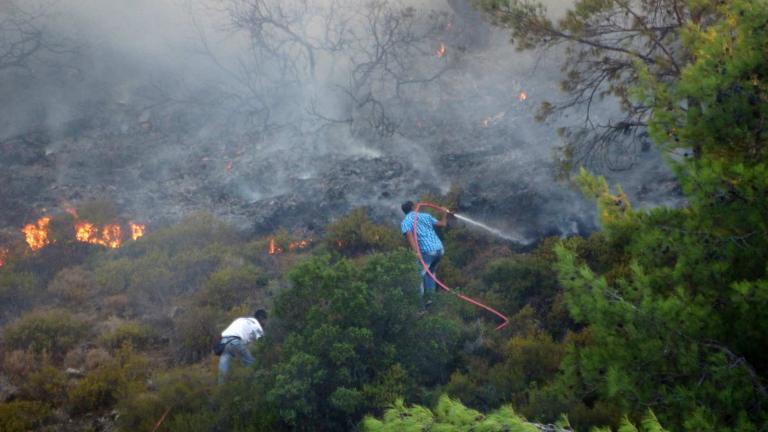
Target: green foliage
[
  {"x": 351, "y": 350},
  {"x": 195, "y": 332},
  {"x": 72, "y": 284},
  {"x": 47, "y": 384},
  {"x": 135, "y": 333},
  {"x": 228, "y": 287},
  {"x": 187, "y": 391},
  {"x": 448, "y": 415},
  {"x": 22, "y": 416},
  {"x": 18, "y": 290},
  {"x": 676, "y": 322},
  {"x": 54, "y": 331},
  {"x": 356, "y": 233},
  {"x": 104, "y": 386}
]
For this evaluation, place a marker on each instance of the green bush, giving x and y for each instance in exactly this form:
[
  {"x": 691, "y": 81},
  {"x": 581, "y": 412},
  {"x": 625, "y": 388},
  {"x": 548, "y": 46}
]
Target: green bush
[
  {"x": 47, "y": 384},
  {"x": 54, "y": 331},
  {"x": 229, "y": 287},
  {"x": 356, "y": 233},
  {"x": 72, "y": 284},
  {"x": 137, "y": 334},
  {"x": 17, "y": 292},
  {"x": 22, "y": 416},
  {"x": 104, "y": 386},
  {"x": 187, "y": 391},
  {"x": 195, "y": 332}
]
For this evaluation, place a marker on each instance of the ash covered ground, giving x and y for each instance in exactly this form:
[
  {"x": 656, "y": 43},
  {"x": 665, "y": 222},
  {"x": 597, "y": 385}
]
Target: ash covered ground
[{"x": 206, "y": 115}]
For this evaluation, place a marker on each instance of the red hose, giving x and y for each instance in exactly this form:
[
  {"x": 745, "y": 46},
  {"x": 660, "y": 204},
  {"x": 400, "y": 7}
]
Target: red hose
[
  {"x": 159, "y": 422},
  {"x": 503, "y": 317}
]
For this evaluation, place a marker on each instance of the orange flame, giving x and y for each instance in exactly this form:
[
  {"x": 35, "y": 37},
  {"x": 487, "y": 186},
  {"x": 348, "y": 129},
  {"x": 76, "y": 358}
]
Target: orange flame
[
  {"x": 137, "y": 230},
  {"x": 111, "y": 235},
  {"x": 37, "y": 234},
  {"x": 274, "y": 249},
  {"x": 3, "y": 256},
  {"x": 522, "y": 96},
  {"x": 441, "y": 50}
]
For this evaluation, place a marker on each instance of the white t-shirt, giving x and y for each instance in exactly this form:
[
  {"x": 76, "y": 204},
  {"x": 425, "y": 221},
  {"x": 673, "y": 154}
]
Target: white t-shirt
[{"x": 247, "y": 329}]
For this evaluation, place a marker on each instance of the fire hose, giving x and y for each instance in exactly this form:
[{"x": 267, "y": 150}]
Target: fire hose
[{"x": 504, "y": 318}]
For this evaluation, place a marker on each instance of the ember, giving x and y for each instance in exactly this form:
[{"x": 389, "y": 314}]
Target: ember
[
  {"x": 441, "y": 50},
  {"x": 522, "y": 96},
  {"x": 3, "y": 256},
  {"x": 37, "y": 234}
]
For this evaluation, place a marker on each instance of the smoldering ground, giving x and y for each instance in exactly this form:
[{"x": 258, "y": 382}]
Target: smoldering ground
[{"x": 282, "y": 113}]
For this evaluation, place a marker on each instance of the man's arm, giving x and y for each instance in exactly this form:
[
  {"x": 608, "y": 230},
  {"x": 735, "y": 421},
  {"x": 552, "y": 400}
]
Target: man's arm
[
  {"x": 444, "y": 220},
  {"x": 412, "y": 241}
]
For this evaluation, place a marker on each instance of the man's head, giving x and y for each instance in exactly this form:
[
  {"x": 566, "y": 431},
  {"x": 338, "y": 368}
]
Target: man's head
[
  {"x": 260, "y": 315},
  {"x": 407, "y": 207}
]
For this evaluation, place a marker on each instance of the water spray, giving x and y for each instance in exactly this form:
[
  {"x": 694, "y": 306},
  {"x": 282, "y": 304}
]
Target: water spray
[
  {"x": 494, "y": 231},
  {"x": 504, "y": 318}
]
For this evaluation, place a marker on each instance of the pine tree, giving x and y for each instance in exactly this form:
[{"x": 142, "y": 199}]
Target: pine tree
[{"x": 679, "y": 324}]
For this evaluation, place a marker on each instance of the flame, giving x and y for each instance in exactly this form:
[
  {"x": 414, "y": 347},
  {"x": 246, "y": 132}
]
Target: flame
[
  {"x": 87, "y": 232},
  {"x": 137, "y": 230},
  {"x": 274, "y": 249},
  {"x": 522, "y": 96},
  {"x": 3, "y": 256},
  {"x": 440, "y": 51},
  {"x": 37, "y": 234},
  {"x": 71, "y": 210}
]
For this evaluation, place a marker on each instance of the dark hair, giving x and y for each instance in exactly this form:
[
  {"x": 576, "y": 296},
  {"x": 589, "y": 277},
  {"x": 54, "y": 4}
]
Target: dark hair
[
  {"x": 260, "y": 314},
  {"x": 407, "y": 207}
]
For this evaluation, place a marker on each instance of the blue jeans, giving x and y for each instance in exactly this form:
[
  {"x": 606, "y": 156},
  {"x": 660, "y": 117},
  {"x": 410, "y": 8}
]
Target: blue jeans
[
  {"x": 235, "y": 348},
  {"x": 428, "y": 284}
]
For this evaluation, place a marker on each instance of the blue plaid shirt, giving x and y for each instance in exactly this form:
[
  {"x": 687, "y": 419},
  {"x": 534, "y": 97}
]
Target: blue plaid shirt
[{"x": 428, "y": 239}]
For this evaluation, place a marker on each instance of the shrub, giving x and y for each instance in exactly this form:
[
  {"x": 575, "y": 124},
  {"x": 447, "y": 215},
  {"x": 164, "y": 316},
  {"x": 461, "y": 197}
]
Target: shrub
[
  {"x": 17, "y": 292},
  {"x": 188, "y": 390},
  {"x": 104, "y": 386},
  {"x": 195, "y": 332},
  {"x": 48, "y": 384},
  {"x": 22, "y": 416},
  {"x": 54, "y": 331},
  {"x": 137, "y": 334},
  {"x": 18, "y": 364},
  {"x": 229, "y": 286},
  {"x": 72, "y": 284},
  {"x": 356, "y": 233}
]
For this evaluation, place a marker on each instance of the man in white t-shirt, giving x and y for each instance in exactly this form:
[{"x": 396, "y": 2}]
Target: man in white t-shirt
[{"x": 236, "y": 337}]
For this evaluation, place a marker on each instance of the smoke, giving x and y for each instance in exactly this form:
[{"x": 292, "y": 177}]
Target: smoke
[{"x": 167, "y": 107}]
